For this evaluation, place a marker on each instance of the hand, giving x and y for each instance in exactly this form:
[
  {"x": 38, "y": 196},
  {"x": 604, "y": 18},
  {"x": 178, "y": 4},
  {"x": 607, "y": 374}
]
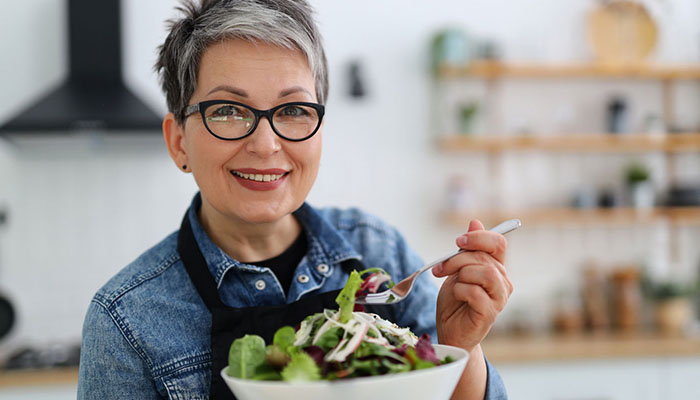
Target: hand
[{"x": 477, "y": 288}]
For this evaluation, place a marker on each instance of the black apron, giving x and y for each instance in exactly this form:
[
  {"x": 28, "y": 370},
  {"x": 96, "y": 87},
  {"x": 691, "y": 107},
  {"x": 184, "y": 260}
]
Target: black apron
[{"x": 228, "y": 323}]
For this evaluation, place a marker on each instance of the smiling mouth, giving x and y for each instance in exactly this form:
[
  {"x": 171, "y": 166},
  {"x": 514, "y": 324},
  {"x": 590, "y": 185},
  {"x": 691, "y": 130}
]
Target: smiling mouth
[{"x": 259, "y": 177}]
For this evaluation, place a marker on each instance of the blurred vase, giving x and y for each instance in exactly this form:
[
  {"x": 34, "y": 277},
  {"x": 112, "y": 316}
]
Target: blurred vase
[
  {"x": 450, "y": 46},
  {"x": 673, "y": 315},
  {"x": 642, "y": 195}
]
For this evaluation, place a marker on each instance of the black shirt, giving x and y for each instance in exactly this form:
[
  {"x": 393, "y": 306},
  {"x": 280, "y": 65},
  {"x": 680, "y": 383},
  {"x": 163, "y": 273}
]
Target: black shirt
[{"x": 284, "y": 265}]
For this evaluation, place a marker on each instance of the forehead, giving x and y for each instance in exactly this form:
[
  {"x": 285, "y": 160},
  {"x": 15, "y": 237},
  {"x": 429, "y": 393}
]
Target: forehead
[{"x": 255, "y": 67}]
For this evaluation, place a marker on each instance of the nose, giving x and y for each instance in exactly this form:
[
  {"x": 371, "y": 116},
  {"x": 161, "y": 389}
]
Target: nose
[{"x": 263, "y": 142}]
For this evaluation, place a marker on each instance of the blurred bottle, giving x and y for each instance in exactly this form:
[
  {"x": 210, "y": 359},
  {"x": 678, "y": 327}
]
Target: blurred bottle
[
  {"x": 626, "y": 298},
  {"x": 568, "y": 313},
  {"x": 356, "y": 85},
  {"x": 595, "y": 300},
  {"x": 617, "y": 115},
  {"x": 655, "y": 125}
]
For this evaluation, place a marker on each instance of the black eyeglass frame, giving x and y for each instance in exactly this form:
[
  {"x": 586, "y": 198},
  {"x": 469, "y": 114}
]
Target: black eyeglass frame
[{"x": 203, "y": 105}]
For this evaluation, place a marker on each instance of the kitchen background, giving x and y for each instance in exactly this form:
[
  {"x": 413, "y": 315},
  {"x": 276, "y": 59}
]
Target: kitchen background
[{"x": 426, "y": 148}]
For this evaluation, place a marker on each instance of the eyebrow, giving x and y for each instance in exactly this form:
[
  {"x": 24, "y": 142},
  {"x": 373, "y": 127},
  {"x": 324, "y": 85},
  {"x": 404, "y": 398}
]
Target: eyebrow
[
  {"x": 230, "y": 89},
  {"x": 242, "y": 93},
  {"x": 294, "y": 89}
]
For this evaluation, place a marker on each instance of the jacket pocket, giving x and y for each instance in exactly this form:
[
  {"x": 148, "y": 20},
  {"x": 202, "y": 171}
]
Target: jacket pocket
[{"x": 189, "y": 383}]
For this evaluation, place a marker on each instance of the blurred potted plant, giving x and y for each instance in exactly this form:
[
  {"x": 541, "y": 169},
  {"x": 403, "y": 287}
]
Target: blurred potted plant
[
  {"x": 467, "y": 115},
  {"x": 672, "y": 305},
  {"x": 640, "y": 187}
]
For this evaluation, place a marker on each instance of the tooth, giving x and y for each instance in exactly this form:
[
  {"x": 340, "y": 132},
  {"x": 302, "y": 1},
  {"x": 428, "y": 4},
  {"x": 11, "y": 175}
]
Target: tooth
[
  {"x": 266, "y": 178},
  {"x": 258, "y": 177}
]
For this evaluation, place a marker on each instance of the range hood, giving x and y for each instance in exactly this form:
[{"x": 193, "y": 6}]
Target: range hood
[{"x": 94, "y": 96}]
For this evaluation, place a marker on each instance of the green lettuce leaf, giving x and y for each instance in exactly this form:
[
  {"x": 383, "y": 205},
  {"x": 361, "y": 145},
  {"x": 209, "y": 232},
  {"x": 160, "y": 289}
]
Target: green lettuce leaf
[
  {"x": 284, "y": 338},
  {"x": 301, "y": 368},
  {"x": 330, "y": 338},
  {"x": 346, "y": 297},
  {"x": 245, "y": 355},
  {"x": 417, "y": 362},
  {"x": 275, "y": 356},
  {"x": 266, "y": 373}
]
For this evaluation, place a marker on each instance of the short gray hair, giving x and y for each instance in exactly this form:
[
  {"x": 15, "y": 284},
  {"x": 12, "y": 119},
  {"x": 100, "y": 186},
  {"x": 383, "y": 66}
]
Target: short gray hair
[{"x": 285, "y": 23}]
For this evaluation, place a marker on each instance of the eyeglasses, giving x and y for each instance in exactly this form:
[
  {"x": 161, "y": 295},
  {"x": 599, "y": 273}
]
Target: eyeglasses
[{"x": 231, "y": 120}]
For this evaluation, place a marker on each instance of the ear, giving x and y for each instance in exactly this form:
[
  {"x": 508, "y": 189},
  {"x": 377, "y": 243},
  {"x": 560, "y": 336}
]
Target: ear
[{"x": 174, "y": 135}]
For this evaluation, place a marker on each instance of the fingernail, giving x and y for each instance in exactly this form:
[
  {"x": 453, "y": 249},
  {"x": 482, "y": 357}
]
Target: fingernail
[
  {"x": 462, "y": 241},
  {"x": 437, "y": 269}
]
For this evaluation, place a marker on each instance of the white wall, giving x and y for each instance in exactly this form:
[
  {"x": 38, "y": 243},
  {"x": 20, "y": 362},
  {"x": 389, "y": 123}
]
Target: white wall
[{"x": 82, "y": 207}]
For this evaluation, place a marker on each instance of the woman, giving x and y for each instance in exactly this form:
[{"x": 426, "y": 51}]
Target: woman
[{"x": 245, "y": 83}]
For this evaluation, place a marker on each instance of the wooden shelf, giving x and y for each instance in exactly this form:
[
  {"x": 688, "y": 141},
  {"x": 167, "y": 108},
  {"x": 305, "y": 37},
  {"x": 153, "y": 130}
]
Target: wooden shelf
[
  {"x": 493, "y": 69},
  {"x": 581, "y": 347},
  {"x": 681, "y": 216},
  {"x": 39, "y": 377},
  {"x": 580, "y": 142}
]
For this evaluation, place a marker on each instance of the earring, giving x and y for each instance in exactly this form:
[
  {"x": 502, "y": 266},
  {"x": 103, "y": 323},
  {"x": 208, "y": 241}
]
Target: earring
[{"x": 184, "y": 167}]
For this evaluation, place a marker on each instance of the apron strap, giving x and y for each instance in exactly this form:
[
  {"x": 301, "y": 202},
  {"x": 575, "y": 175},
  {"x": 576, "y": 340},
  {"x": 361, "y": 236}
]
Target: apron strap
[{"x": 196, "y": 265}]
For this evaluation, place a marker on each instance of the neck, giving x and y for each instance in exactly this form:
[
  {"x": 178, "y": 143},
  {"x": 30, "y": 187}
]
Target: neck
[{"x": 249, "y": 242}]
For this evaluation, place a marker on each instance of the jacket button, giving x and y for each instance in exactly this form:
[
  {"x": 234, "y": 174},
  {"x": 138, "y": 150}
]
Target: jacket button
[
  {"x": 303, "y": 278},
  {"x": 260, "y": 284},
  {"x": 322, "y": 268}
]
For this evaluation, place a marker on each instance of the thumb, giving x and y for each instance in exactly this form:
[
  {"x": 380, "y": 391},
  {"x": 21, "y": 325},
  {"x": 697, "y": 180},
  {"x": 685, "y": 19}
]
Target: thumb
[{"x": 475, "y": 225}]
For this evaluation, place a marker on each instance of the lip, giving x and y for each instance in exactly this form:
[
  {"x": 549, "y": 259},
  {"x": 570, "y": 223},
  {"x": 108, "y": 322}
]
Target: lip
[
  {"x": 261, "y": 186},
  {"x": 270, "y": 171}
]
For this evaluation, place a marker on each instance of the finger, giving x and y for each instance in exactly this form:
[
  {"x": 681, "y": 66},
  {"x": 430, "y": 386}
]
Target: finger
[
  {"x": 466, "y": 258},
  {"x": 486, "y": 241},
  {"x": 490, "y": 279},
  {"x": 477, "y": 298},
  {"x": 476, "y": 260},
  {"x": 454, "y": 264}
]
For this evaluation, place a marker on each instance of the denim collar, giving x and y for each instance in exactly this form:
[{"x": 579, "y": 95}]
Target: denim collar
[{"x": 326, "y": 245}]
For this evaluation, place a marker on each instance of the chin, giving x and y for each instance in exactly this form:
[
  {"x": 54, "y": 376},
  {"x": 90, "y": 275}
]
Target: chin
[{"x": 266, "y": 213}]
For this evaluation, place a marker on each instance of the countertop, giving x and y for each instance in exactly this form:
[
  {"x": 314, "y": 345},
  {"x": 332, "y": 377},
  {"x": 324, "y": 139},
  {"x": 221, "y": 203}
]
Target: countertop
[
  {"x": 539, "y": 348},
  {"x": 498, "y": 349}
]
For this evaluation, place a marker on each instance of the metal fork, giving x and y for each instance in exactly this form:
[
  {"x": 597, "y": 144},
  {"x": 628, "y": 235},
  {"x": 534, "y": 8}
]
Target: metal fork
[{"x": 402, "y": 289}]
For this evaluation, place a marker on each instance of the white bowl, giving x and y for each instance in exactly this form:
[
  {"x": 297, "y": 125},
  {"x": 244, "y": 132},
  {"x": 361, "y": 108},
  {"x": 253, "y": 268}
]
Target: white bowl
[{"x": 436, "y": 383}]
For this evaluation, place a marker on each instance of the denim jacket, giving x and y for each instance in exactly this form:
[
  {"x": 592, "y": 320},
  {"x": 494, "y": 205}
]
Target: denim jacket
[{"x": 146, "y": 332}]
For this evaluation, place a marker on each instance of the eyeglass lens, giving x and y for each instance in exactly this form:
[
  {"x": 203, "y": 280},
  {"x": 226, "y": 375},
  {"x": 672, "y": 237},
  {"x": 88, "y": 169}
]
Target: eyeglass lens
[{"x": 231, "y": 121}]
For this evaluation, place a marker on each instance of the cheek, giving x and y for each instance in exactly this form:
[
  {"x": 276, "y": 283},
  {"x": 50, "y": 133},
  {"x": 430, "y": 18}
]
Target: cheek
[
  {"x": 314, "y": 156},
  {"x": 207, "y": 152},
  {"x": 308, "y": 159}
]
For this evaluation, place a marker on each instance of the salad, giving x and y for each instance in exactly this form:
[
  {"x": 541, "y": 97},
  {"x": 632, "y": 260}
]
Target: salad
[{"x": 335, "y": 344}]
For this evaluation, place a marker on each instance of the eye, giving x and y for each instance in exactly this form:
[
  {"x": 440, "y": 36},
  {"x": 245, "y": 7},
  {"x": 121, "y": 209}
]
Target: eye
[
  {"x": 294, "y": 111},
  {"x": 227, "y": 113}
]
